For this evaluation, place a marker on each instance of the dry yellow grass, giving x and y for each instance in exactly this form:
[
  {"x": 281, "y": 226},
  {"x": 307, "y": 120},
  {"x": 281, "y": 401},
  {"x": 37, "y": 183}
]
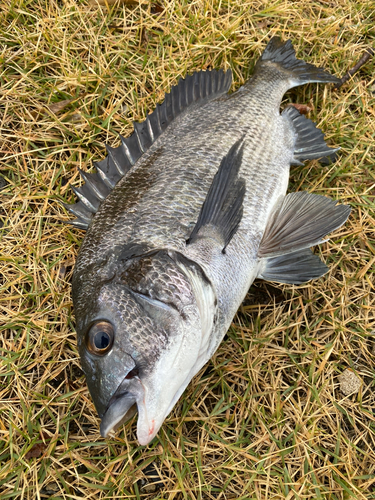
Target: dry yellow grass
[{"x": 266, "y": 418}]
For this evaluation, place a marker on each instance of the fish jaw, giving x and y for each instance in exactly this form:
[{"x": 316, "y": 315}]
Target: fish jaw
[
  {"x": 101, "y": 383},
  {"x": 168, "y": 380},
  {"x": 123, "y": 405}
]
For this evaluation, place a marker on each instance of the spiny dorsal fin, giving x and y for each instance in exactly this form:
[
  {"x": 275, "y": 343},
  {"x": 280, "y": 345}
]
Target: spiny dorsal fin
[
  {"x": 222, "y": 207},
  {"x": 293, "y": 268},
  {"x": 195, "y": 88},
  {"x": 301, "y": 221},
  {"x": 310, "y": 142}
]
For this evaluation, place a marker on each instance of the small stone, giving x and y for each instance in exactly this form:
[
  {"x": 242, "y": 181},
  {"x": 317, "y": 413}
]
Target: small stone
[
  {"x": 350, "y": 383},
  {"x": 152, "y": 481}
]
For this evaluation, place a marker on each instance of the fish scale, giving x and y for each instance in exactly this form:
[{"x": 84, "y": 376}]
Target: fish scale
[{"x": 194, "y": 209}]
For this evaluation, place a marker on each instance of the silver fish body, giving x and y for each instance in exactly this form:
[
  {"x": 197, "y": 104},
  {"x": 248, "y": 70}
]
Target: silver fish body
[{"x": 179, "y": 227}]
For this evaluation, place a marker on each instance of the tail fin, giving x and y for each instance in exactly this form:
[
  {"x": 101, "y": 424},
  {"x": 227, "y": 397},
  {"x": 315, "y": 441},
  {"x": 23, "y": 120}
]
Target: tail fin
[{"x": 283, "y": 55}]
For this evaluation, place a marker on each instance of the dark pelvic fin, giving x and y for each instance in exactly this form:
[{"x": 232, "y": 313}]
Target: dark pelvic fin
[
  {"x": 299, "y": 72},
  {"x": 310, "y": 144},
  {"x": 294, "y": 268},
  {"x": 222, "y": 207},
  {"x": 301, "y": 221},
  {"x": 200, "y": 86}
]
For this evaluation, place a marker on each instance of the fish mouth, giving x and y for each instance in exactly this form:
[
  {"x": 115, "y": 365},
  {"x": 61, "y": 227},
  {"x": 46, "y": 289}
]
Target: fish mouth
[
  {"x": 122, "y": 405},
  {"x": 128, "y": 399}
]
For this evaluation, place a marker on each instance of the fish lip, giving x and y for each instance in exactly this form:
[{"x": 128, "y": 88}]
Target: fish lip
[
  {"x": 122, "y": 405},
  {"x": 108, "y": 424}
]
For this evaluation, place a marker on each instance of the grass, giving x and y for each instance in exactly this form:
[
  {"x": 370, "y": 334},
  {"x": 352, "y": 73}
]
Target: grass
[{"x": 266, "y": 418}]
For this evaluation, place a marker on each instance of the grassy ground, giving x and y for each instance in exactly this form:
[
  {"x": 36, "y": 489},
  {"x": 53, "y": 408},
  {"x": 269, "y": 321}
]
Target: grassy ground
[{"x": 266, "y": 418}]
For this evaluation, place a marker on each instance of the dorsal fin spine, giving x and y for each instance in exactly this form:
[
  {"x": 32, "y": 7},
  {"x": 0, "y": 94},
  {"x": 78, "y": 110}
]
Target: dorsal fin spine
[
  {"x": 127, "y": 150},
  {"x": 153, "y": 123},
  {"x": 79, "y": 210},
  {"x": 144, "y": 136},
  {"x": 175, "y": 99},
  {"x": 149, "y": 128},
  {"x": 91, "y": 185},
  {"x": 161, "y": 116},
  {"x": 87, "y": 203},
  {"x": 196, "y": 87},
  {"x": 202, "y": 87},
  {"x": 176, "y": 104},
  {"x": 105, "y": 178},
  {"x": 157, "y": 114},
  {"x": 137, "y": 135},
  {"x": 193, "y": 94},
  {"x": 214, "y": 82},
  {"x": 169, "y": 108},
  {"x": 208, "y": 87},
  {"x": 164, "y": 110},
  {"x": 110, "y": 152},
  {"x": 183, "y": 96}
]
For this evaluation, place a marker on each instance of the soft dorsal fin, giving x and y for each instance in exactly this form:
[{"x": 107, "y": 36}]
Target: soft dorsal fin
[
  {"x": 310, "y": 142},
  {"x": 301, "y": 221},
  {"x": 201, "y": 86},
  {"x": 223, "y": 206}
]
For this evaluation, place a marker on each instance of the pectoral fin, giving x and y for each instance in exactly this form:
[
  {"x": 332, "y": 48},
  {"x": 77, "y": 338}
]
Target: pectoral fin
[{"x": 222, "y": 209}]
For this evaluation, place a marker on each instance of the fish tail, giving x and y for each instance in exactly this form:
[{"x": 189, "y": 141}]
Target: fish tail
[{"x": 282, "y": 54}]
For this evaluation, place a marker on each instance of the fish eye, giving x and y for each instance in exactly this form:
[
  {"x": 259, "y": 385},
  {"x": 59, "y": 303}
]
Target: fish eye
[{"x": 99, "y": 338}]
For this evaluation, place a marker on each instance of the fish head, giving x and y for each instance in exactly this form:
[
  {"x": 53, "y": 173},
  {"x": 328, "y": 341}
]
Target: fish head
[{"x": 141, "y": 338}]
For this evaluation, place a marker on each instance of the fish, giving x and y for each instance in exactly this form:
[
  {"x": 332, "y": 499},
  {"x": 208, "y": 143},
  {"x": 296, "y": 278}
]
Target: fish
[{"x": 180, "y": 219}]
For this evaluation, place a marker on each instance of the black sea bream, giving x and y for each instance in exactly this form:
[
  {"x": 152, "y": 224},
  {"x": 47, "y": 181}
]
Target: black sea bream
[{"x": 181, "y": 218}]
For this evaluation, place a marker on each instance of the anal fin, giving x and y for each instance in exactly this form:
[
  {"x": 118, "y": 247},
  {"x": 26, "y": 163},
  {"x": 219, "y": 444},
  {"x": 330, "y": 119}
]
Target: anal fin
[
  {"x": 310, "y": 142},
  {"x": 293, "y": 268},
  {"x": 222, "y": 209}
]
